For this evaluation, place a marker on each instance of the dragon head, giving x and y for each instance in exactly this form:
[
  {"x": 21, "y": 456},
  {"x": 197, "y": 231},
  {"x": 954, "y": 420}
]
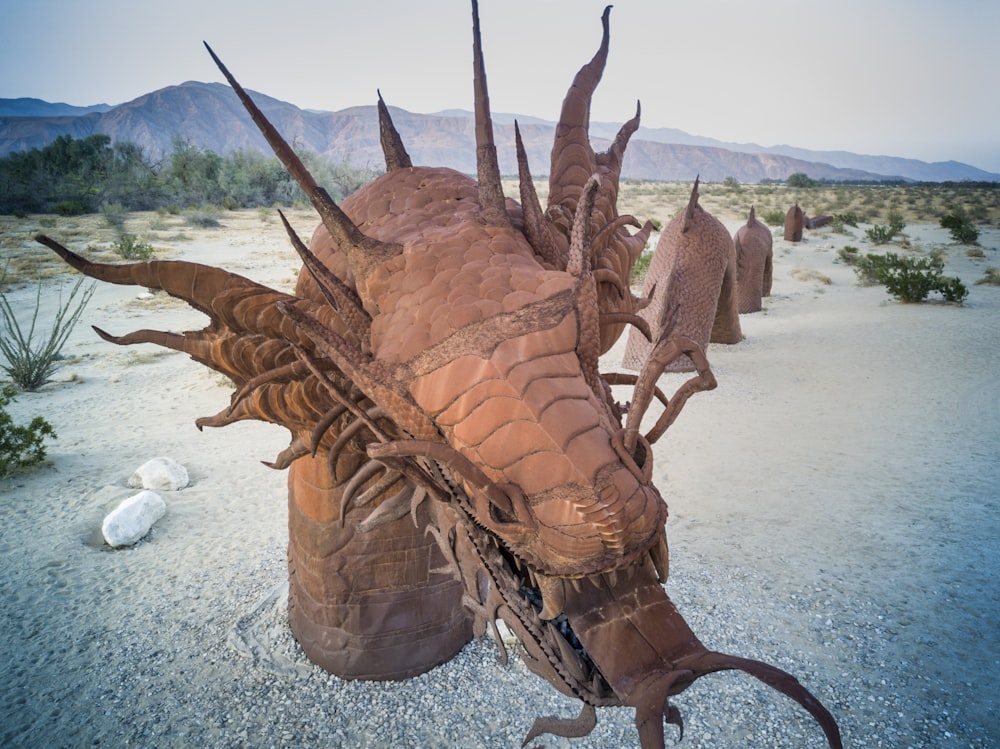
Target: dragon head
[{"x": 442, "y": 352}]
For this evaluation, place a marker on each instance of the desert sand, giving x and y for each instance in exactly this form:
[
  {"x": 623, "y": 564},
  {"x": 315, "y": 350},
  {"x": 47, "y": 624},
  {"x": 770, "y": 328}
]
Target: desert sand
[{"x": 833, "y": 510}]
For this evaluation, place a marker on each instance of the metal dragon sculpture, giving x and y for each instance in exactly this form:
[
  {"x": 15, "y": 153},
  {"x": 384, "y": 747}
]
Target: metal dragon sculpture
[
  {"x": 691, "y": 284},
  {"x": 457, "y": 456}
]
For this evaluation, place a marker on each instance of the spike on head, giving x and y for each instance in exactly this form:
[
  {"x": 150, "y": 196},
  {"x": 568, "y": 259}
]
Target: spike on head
[
  {"x": 492, "y": 204},
  {"x": 395, "y": 153},
  {"x": 363, "y": 252},
  {"x": 691, "y": 206}
]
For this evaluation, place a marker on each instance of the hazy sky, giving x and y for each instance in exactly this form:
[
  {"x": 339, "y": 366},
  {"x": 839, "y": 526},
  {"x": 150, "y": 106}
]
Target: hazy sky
[{"x": 911, "y": 78}]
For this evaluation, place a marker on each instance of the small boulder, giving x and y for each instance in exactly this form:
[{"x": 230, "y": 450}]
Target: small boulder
[
  {"x": 163, "y": 474},
  {"x": 132, "y": 519}
]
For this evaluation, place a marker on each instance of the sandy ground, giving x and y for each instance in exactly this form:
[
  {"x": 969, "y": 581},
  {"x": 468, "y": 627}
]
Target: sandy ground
[{"x": 834, "y": 503}]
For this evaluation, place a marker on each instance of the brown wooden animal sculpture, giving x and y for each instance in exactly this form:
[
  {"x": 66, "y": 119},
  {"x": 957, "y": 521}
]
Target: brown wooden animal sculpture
[
  {"x": 794, "y": 220},
  {"x": 754, "y": 258},
  {"x": 438, "y": 371},
  {"x": 692, "y": 284}
]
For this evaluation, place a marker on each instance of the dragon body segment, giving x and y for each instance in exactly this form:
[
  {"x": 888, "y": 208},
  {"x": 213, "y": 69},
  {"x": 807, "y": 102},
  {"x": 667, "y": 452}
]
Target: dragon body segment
[{"x": 456, "y": 455}]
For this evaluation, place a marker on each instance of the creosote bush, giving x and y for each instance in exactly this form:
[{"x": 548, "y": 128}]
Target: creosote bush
[
  {"x": 961, "y": 227},
  {"x": 909, "y": 279},
  {"x": 129, "y": 247},
  {"x": 884, "y": 233},
  {"x": 20, "y": 446},
  {"x": 774, "y": 217},
  {"x": 848, "y": 254}
]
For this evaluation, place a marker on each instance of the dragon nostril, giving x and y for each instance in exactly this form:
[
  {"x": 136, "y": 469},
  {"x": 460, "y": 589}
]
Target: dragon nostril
[
  {"x": 515, "y": 510},
  {"x": 504, "y": 515}
]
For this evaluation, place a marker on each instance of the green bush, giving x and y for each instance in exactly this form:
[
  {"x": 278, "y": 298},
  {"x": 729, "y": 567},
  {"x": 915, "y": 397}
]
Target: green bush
[
  {"x": 114, "y": 215},
  {"x": 848, "y": 254},
  {"x": 70, "y": 208},
  {"x": 774, "y": 217},
  {"x": 29, "y": 363},
  {"x": 800, "y": 179},
  {"x": 640, "y": 269},
  {"x": 206, "y": 217},
  {"x": 884, "y": 233},
  {"x": 909, "y": 279},
  {"x": 961, "y": 227},
  {"x": 20, "y": 446},
  {"x": 129, "y": 247}
]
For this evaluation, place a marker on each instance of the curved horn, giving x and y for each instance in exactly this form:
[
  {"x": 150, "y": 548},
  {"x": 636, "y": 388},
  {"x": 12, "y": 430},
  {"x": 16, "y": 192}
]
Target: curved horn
[
  {"x": 574, "y": 122},
  {"x": 612, "y": 158},
  {"x": 666, "y": 350}
]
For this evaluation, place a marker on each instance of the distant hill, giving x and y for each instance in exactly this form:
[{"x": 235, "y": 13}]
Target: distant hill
[
  {"x": 38, "y": 108},
  {"x": 209, "y": 115}
]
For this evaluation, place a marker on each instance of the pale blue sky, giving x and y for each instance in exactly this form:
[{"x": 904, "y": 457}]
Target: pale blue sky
[{"x": 911, "y": 78}]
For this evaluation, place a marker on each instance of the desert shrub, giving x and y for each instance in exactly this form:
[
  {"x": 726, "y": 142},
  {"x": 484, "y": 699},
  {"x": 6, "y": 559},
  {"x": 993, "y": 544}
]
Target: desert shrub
[
  {"x": 774, "y": 217},
  {"x": 938, "y": 256},
  {"x": 991, "y": 277},
  {"x": 848, "y": 254},
  {"x": 129, "y": 247},
  {"x": 206, "y": 217},
  {"x": 640, "y": 269},
  {"x": 809, "y": 274},
  {"x": 70, "y": 208},
  {"x": 30, "y": 363},
  {"x": 951, "y": 289},
  {"x": 114, "y": 215},
  {"x": 975, "y": 252},
  {"x": 909, "y": 279},
  {"x": 846, "y": 219},
  {"x": 883, "y": 233},
  {"x": 961, "y": 227},
  {"x": 20, "y": 446}
]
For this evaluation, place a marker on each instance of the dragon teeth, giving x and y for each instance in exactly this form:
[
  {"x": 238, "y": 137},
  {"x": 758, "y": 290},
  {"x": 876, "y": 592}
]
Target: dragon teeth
[
  {"x": 661, "y": 557},
  {"x": 553, "y": 595}
]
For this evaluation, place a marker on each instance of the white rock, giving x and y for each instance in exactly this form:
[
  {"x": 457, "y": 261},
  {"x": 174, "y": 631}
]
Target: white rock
[
  {"x": 164, "y": 474},
  {"x": 508, "y": 637},
  {"x": 132, "y": 519}
]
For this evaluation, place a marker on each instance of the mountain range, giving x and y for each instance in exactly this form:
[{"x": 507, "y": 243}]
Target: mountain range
[{"x": 209, "y": 116}]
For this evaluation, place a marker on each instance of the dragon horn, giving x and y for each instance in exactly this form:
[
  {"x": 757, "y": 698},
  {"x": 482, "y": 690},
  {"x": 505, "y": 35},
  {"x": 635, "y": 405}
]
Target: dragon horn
[
  {"x": 691, "y": 206},
  {"x": 492, "y": 204},
  {"x": 198, "y": 285},
  {"x": 396, "y": 156},
  {"x": 574, "y": 121},
  {"x": 536, "y": 227},
  {"x": 363, "y": 253}
]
